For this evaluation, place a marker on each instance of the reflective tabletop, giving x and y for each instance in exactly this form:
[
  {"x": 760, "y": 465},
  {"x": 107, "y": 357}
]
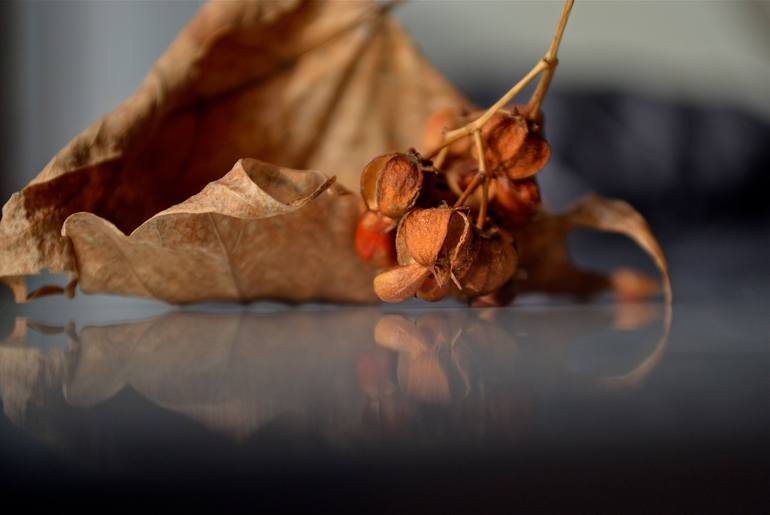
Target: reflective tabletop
[{"x": 406, "y": 408}]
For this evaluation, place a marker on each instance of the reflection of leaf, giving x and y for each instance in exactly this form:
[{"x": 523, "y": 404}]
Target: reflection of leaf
[
  {"x": 232, "y": 373},
  {"x": 545, "y": 261},
  {"x": 305, "y": 85},
  {"x": 259, "y": 232},
  {"x": 636, "y": 376},
  {"x": 26, "y": 375},
  {"x": 241, "y": 372}
]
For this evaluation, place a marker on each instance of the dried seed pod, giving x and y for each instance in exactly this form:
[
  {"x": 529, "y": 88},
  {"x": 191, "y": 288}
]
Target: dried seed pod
[
  {"x": 375, "y": 239},
  {"x": 423, "y": 233},
  {"x": 431, "y": 244},
  {"x": 391, "y": 183},
  {"x": 516, "y": 201},
  {"x": 439, "y": 239},
  {"x": 514, "y": 146},
  {"x": 494, "y": 263},
  {"x": 503, "y": 136},
  {"x": 531, "y": 158}
]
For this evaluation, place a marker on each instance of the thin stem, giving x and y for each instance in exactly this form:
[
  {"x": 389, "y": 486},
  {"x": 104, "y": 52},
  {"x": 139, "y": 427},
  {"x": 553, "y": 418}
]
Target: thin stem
[
  {"x": 440, "y": 158},
  {"x": 482, "y": 173},
  {"x": 484, "y": 203},
  {"x": 452, "y": 136},
  {"x": 475, "y": 183},
  {"x": 547, "y": 65},
  {"x": 479, "y": 122},
  {"x": 551, "y": 58}
]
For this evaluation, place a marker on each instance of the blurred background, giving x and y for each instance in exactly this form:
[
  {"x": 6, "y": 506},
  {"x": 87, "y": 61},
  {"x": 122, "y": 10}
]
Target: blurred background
[{"x": 665, "y": 104}]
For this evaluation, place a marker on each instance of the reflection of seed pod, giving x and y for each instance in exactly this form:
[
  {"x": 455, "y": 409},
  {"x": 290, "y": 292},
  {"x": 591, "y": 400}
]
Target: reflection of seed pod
[
  {"x": 391, "y": 183},
  {"x": 373, "y": 370},
  {"x": 375, "y": 240},
  {"x": 423, "y": 378},
  {"x": 516, "y": 201}
]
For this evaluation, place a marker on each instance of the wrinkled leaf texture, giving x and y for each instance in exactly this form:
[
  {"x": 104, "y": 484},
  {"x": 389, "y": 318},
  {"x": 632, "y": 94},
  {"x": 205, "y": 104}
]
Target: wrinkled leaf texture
[{"x": 298, "y": 84}]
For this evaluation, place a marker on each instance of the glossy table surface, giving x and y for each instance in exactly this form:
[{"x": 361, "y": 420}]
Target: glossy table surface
[{"x": 407, "y": 408}]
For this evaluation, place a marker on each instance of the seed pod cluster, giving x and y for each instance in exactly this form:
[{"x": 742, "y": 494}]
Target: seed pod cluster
[
  {"x": 424, "y": 229},
  {"x": 515, "y": 150}
]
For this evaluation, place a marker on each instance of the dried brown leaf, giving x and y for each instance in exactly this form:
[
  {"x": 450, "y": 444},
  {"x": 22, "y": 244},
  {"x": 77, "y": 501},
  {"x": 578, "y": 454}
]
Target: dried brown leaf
[
  {"x": 617, "y": 216},
  {"x": 259, "y": 232},
  {"x": 545, "y": 261},
  {"x": 305, "y": 85}
]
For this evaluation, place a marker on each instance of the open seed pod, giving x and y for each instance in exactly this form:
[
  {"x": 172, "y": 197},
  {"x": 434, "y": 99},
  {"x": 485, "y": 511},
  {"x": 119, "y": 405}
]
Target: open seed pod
[
  {"x": 439, "y": 239},
  {"x": 433, "y": 245},
  {"x": 391, "y": 183}
]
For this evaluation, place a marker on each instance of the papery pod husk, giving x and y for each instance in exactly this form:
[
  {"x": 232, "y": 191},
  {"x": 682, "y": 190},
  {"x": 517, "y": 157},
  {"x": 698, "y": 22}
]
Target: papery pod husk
[{"x": 401, "y": 282}]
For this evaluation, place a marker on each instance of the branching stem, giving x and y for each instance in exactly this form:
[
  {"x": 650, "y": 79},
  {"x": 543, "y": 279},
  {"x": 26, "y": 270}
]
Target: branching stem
[
  {"x": 475, "y": 183},
  {"x": 468, "y": 129},
  {"x": 547, "y": 65},
  {"x": 533, "y": 108}
]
